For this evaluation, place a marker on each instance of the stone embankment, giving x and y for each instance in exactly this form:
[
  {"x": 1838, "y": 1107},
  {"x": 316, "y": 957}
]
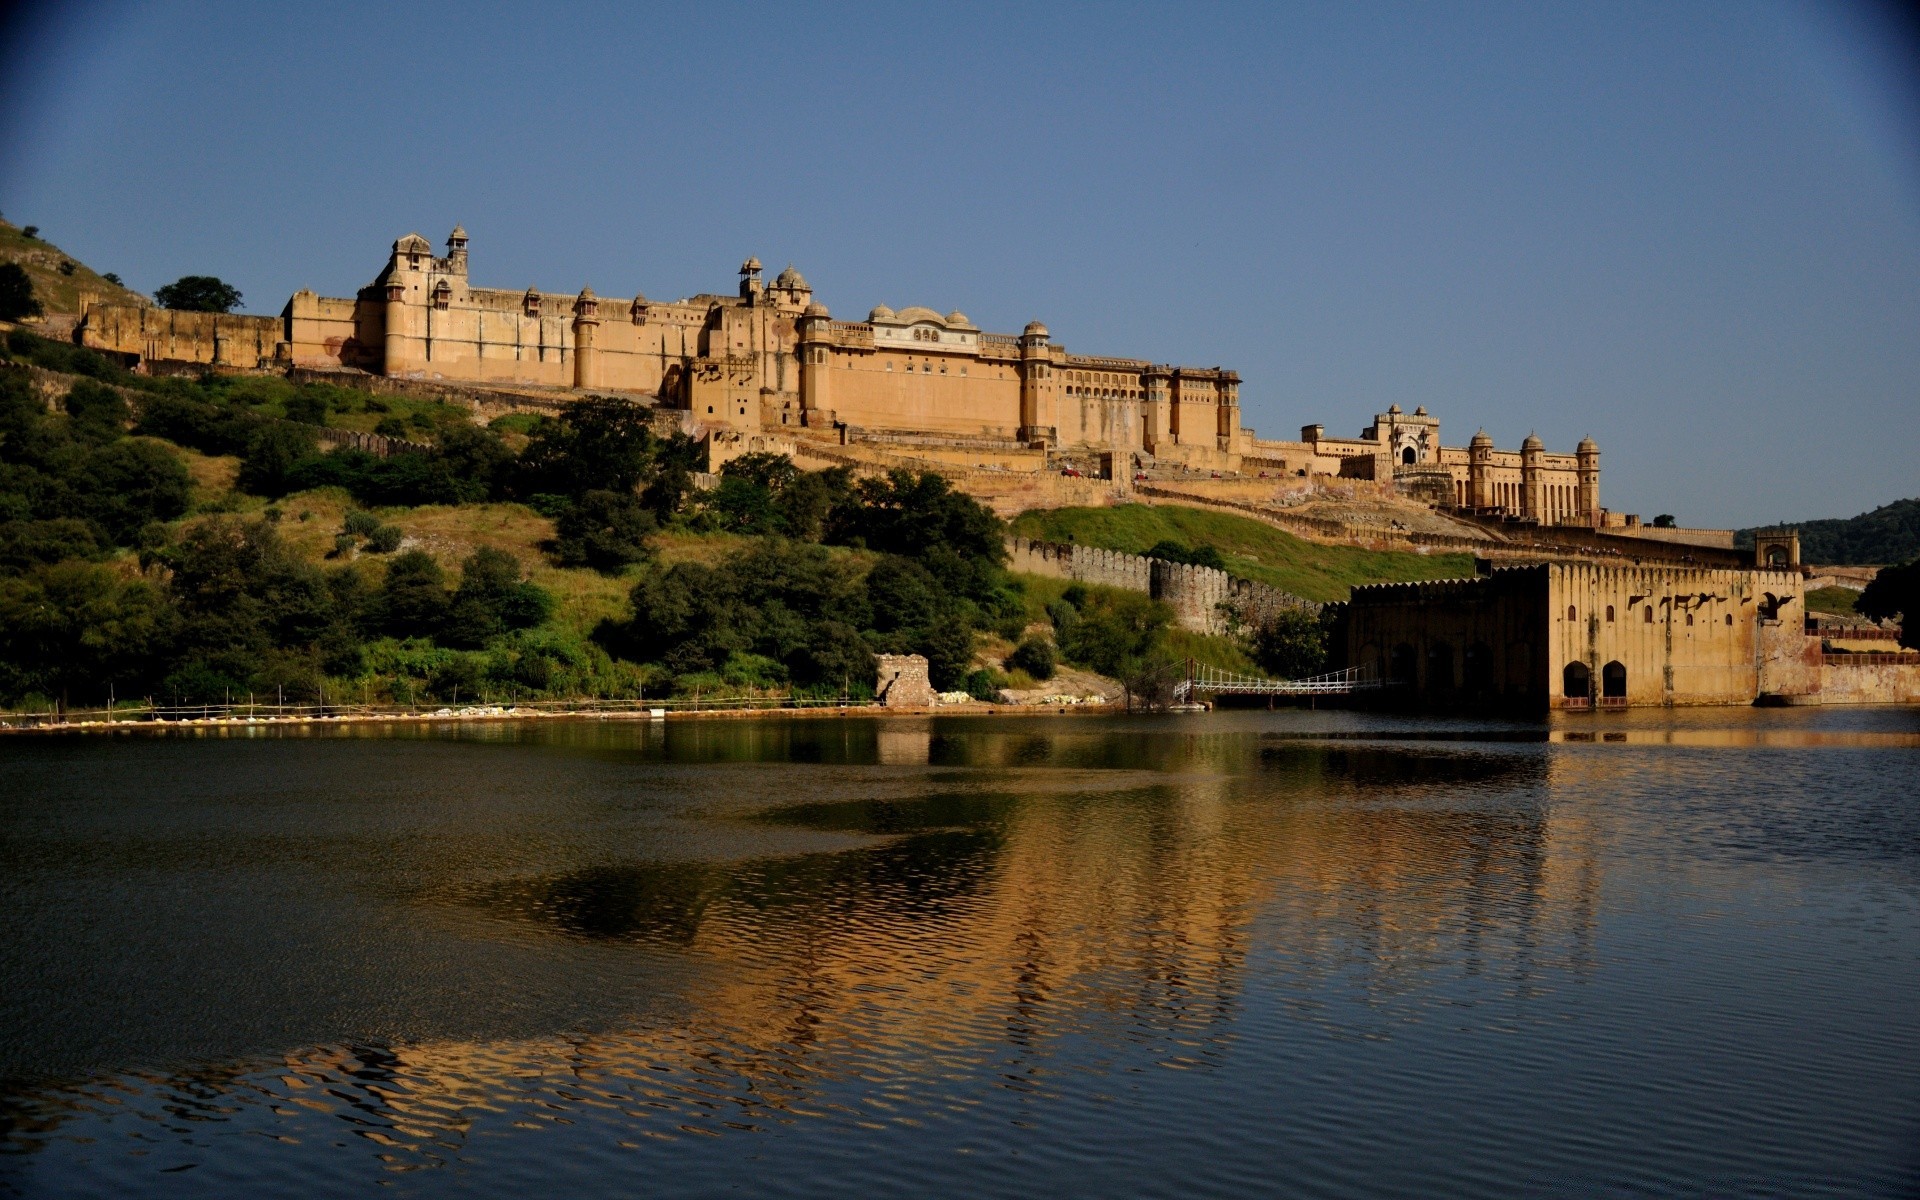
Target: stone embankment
[{"x": 1203, "y": 599}]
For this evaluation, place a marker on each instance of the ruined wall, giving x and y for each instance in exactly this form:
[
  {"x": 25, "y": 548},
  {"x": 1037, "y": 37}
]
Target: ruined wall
[
  {"x": 215, "y": 339},
  {"x": 1203, "y": 599},
  {"x": 902, "y": 682},
  {"x": 1870, "y": 679}
]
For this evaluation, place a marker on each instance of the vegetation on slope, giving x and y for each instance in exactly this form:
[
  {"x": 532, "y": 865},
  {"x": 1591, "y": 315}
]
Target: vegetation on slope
[
  {"x": 58, "y": 278},
  {"x": 1888, "y": 534},
  {"x": 1251, "y": 549},
  {"x": 187, "y": 540}
]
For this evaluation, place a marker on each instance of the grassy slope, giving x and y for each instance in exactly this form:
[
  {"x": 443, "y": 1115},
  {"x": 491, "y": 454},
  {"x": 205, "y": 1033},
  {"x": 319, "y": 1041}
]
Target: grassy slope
[
  {"x": 42, "y": 259},
  {"x": 1253, "y": 549},
  {"x": 1837, "y": 600}
]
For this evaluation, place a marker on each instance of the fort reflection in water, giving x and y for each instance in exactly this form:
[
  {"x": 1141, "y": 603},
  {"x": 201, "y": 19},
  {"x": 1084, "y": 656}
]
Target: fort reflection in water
[{"x": 644, "y": 934}]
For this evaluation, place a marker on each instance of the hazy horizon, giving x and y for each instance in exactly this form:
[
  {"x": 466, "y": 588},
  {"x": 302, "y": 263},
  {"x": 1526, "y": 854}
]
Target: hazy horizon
[{"x": 1693, "y": 235}]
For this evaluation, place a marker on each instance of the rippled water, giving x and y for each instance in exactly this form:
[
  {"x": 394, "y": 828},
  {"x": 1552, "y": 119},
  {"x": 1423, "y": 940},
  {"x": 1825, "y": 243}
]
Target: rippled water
[{"x": 1293, "y": 953}]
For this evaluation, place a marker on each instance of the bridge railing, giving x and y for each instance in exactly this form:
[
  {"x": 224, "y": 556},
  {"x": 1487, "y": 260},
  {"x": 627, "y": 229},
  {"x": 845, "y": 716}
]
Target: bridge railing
[{"x": 1215, "y": 681}]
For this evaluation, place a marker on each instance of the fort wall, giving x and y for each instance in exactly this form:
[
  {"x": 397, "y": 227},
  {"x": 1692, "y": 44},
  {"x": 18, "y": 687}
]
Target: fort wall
[
  {"x": 215, "y": 339},
  {"x": 1585, "y": 635},
  {"x": 1203, "y": 599}
]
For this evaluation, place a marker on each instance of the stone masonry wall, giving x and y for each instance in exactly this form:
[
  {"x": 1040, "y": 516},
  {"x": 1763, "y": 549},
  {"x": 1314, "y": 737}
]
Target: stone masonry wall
[
  {"x": 1203, "y": 599},
  {"x": 902, "y": 682}
]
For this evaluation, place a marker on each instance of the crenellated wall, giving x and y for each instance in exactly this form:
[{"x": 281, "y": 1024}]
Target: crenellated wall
[{"x": 1203, "y": 599}]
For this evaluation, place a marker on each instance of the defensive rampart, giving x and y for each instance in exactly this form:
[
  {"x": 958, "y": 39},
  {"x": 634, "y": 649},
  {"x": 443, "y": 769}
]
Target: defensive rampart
[{"x": 1203, "y": 599}]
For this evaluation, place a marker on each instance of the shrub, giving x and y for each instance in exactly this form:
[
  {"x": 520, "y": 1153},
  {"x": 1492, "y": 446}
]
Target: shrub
[
  {"x": 982, "y": 685},
  {"x": 385, "y": 539},
  {"x": 392, "y": 427},
  {"x": 360, "y": 523},
  {"x": 1035, "y": 656}
]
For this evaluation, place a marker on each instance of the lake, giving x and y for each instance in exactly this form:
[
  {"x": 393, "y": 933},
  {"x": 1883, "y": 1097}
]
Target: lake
[{"x": 1291, "y": 953}]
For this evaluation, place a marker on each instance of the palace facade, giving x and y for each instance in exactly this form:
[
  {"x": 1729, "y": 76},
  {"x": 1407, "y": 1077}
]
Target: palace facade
[{"x": 770, "y": 358}]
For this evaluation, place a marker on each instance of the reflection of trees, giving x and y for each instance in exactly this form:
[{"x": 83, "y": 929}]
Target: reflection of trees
[{"x": 1030, "y": 912}]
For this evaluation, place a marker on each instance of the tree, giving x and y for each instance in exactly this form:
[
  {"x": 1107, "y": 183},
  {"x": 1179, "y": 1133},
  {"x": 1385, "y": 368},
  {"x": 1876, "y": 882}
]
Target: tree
[
  {"x": 17, "y": 301},
  {"x": 1290, "y": 643},
  {"x": 32, "y": 232},
  {"x": 97, "y": 410},
  {"x": 272, "y": 451},
  {"x": 413, "y": 598},
  {"x": 604, "y": 530},
  {"x": 1895, "y": 593},
  {"x": 131, "y": 482},
  {"x": 113, "y": 279},
  {"x": 493, "y": 597},
  {"x": 198, "y": 293},
  {"x": 600, "y": 444},
  {"x": 1663, "y": 521}
]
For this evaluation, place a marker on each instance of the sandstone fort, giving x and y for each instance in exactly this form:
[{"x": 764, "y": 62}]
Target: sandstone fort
[{"x": 1576, "y": 606}]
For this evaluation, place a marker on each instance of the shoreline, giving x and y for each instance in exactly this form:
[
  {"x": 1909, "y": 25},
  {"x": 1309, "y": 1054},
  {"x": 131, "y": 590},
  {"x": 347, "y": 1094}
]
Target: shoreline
[{"x": 522, "y": 715}]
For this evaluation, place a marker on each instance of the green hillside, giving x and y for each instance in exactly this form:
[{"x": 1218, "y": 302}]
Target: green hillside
[
  {"x": 1252, "y": 549},
  {"x": 1888, "y": 534},
  {"x": 58, "y": 290}
]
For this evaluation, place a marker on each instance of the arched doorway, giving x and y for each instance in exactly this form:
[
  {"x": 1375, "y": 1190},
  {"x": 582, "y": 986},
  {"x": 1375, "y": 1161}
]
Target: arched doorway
[
  {"x": 1403, "y": 665},
  {"x": 1613, "y": 681},
  {"x": 1479, "y": 668},
  {"x": 1440, "y": 667},
  {"x": 1576, "y": 681},
  {"x": 1409, "y": 456}
]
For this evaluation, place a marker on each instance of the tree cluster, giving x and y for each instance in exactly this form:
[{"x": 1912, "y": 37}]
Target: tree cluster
[{"x": 1894, "y": 594}]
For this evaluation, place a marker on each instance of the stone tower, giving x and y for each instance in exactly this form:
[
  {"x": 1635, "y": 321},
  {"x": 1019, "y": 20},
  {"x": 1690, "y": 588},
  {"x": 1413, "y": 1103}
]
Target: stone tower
[
  {"x": 1533, "y": 495},
  {"x": 1480, "y": 471},
  {"x": 586, "y": 359},
  {"x": 815, "y": 345},
  {"x": 1588, "y": 455},
  {"x": 1033, "y": 375}
]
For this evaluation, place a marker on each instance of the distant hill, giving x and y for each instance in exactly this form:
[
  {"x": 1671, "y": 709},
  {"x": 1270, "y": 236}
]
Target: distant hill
[
  {"x": 1888, "y": 534},
  {"x": 57, "y": 289}
]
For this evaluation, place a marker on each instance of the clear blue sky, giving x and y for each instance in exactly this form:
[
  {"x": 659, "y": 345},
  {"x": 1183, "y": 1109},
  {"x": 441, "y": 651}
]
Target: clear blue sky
[{"x": 1689, "y": 230}]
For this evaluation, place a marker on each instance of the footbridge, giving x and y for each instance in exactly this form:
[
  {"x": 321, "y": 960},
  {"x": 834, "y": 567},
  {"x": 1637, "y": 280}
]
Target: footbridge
[{"x": 1212, "y": 681}]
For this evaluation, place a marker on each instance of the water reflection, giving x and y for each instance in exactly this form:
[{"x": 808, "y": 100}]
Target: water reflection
[{"x": 630, "y": 938}]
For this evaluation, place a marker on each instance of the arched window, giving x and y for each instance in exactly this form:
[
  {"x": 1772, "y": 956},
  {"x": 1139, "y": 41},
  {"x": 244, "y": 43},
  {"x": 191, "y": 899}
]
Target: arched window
[
  {"x": 1440, "y": 667},
  {"x": 1576, "y": 682},
  {"x": 1648, "y": 610},
  {"x": 1689, "y": 618},
  {"x": 1729, "y": 618},
  {"x": 1613, "y": 680},
  {"x": 1609, "y": 614},
  {"x": 1573, "y": 614}
]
